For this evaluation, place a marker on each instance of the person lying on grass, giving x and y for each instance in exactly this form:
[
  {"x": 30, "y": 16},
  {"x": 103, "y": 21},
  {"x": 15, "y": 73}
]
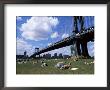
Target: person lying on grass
[{"x": 61, "y": 65}]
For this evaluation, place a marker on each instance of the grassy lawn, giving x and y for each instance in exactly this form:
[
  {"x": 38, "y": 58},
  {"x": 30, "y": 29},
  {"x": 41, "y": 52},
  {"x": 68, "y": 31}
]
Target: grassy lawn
[{"x": 30, "y": 68}]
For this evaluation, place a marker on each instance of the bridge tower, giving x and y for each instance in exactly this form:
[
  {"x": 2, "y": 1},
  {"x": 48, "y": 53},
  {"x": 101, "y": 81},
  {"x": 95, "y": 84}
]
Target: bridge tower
[
  {"x": 76, "y": 44},
  {"x": 25, "y": 54},
  {"x": 37, "y": 50},
  {"x": 83, "y": 41},
  {"x": 79, "y": 42}
]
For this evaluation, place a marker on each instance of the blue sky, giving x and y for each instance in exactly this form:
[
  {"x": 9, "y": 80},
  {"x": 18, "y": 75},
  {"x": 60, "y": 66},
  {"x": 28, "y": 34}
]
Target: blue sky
[{"x": 32, "y": 31}]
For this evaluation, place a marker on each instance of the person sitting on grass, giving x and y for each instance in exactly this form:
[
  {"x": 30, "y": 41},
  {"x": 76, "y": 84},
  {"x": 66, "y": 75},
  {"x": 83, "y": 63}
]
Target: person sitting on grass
[
  {"x": 66, "y": 66},
  {"x": 44, "y": 64}
]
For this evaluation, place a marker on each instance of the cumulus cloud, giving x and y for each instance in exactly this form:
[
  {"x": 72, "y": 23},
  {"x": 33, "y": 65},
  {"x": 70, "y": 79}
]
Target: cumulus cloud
[
  {"x": 38, "y": 28},
  {"x": 54, "y": 35},
  {"x": 19, "y": 18},
  {"x": 24, "y": 46},
  {"x": 65, "y": 35}
]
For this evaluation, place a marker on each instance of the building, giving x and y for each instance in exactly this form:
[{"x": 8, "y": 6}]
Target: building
[
  {"x": 60, "y": 55},
  {"x": 25, "y": 53},
  {"x": 66, "y": 56},
  {"x": 47, "y": 56},
  {"x": 22, "y": 56},
  {"x": 19, "y": 56},
  {"x": 55, "y": 55}
]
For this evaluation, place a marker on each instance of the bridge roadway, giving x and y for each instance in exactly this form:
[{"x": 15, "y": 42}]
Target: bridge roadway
[{"x": 87, "y": 34}]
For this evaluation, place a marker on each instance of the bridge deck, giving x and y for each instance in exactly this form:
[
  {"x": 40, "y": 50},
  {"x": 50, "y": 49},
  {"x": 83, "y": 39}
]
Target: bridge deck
[{"x": 87, "y": 33}]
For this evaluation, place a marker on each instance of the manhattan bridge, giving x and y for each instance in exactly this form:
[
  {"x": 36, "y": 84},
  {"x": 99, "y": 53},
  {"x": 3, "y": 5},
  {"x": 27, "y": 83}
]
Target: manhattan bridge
[{"x": 78, "y": 39}]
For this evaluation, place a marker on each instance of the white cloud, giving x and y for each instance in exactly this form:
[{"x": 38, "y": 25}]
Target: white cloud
[
  {"x": 65, "y": 35},
  {"x": 22, "y": 46},
  {"x": 49, "y": 44},
  {"x": 38, "y": 28},
  {"x": 54, "y": 35},
  {"x": 90, "y": 46},
  {"x": 19, "y": 18}
]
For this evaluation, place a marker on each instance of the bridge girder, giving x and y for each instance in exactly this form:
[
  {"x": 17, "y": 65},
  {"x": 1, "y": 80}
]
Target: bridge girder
[{"x": 88, "y": 36}]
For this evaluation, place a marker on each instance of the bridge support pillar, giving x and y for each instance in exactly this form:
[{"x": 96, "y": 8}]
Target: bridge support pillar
[
  {"x": 78, "y": 47},
  {"x": 83, "y": 51},
  {"x": 84, "y": 48}
]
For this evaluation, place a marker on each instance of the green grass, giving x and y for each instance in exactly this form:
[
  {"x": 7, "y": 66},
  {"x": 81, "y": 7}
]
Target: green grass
[{"x": 30, "y": 68}]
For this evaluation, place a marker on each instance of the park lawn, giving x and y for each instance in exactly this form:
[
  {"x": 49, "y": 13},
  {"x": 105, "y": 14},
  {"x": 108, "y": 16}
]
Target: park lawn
[{"x": 30, "y": 68}]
